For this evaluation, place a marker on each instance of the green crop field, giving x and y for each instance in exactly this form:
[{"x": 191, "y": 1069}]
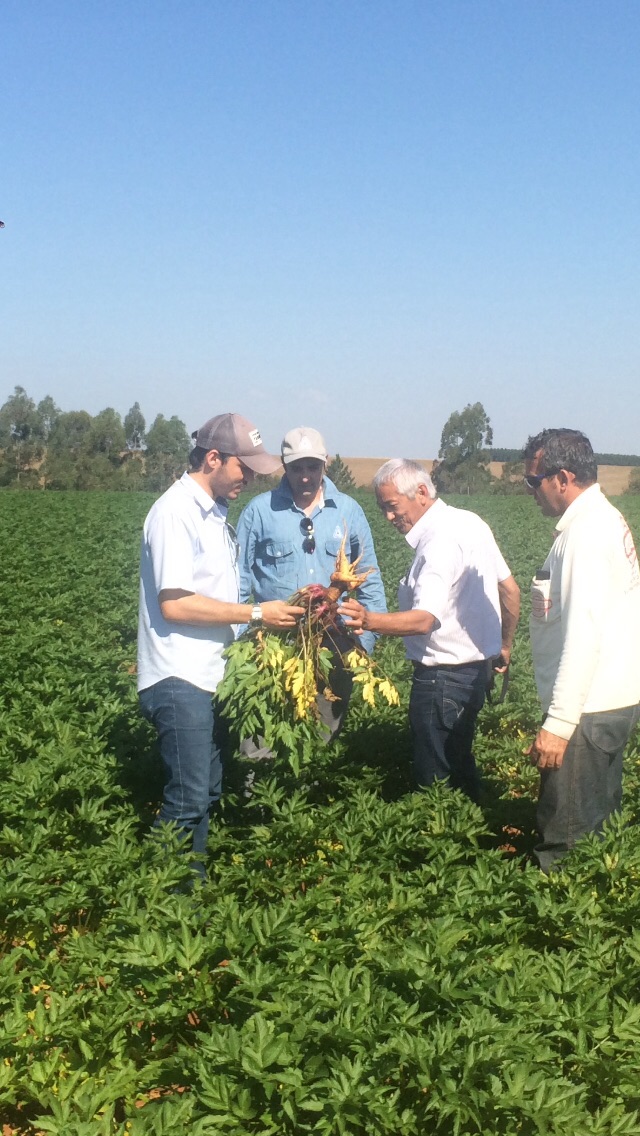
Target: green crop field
[{"x": 363, "y": 959}]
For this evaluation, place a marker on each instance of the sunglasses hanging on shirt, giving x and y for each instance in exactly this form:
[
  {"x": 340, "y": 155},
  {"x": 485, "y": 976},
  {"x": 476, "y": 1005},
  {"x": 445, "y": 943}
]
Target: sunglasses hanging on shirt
[
  {"x": 232, "y": 541},
  {"x": 306, "y": 527}
]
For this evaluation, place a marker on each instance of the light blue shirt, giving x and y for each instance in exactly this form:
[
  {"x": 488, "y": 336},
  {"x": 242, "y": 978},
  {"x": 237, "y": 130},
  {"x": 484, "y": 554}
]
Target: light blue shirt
[
  {"x": 186, "y": 545},
  {"x": 273, "y": 562}
]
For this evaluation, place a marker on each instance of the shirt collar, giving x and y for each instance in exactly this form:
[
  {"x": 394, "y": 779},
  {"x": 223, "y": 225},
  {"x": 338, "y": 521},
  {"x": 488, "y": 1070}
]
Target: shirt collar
[
  {"x": 218, "y": 507},
  {"x": 422, "y": 526},
  {"x": 583, "y": 500}
]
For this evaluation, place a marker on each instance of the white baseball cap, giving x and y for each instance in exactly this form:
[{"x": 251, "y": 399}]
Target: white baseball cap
[{"x": 303, "y": 442}]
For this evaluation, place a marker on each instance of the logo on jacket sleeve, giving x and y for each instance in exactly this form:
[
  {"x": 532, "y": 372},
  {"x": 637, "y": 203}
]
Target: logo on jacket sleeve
[
  {"x": 541, "y": 602},
  {"x": 630, "y": 553}
]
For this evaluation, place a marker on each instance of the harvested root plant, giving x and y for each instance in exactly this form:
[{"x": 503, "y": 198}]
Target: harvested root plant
[{"x": 273, "y": 679}]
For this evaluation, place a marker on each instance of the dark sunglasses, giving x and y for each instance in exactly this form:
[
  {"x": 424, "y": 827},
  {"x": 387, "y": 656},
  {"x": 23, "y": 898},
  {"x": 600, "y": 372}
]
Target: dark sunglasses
[
  {"x": 306, "y": 527},
  {"x": 534, "y": 480}
]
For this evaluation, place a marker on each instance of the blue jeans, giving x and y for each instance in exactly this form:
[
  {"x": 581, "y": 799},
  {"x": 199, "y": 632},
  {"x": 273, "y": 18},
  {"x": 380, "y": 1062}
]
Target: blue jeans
[
  {"x": 444, "y": 704},
  {"x": 183, "y": 716},
  {"x": 579, "y": 796}
]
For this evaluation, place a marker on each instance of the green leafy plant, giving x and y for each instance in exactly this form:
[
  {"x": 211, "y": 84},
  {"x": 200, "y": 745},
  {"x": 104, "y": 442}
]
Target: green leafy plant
[
  {"x": 363, "y": 959},
  {"x": 272, "y": 682}
]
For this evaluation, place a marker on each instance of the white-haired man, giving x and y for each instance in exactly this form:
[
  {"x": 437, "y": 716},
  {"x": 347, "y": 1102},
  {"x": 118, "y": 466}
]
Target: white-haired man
[{"x": 459, "y": 606}]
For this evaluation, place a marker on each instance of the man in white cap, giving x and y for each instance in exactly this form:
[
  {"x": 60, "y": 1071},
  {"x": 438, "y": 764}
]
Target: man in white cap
[
  {"x": 290, "y": 536},
  {"x": 189, "y": 604}
]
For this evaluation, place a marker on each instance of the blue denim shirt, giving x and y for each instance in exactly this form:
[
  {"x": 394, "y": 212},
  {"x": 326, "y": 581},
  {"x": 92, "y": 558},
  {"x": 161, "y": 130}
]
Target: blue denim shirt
[{"x": 273, "y": 563}]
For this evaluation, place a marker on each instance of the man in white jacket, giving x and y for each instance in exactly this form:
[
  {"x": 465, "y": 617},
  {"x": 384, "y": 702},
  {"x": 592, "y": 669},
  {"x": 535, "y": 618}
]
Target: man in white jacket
[{"x": 585, "y": 638}]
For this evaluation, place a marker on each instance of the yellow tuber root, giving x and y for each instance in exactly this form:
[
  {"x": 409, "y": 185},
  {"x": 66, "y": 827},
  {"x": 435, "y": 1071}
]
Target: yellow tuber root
[{"x": 345, "y": 578}]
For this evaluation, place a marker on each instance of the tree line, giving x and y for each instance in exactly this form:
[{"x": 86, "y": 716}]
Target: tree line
[
  {"x": 44, "y": 447},
  {"x": 500, "y": 454}
]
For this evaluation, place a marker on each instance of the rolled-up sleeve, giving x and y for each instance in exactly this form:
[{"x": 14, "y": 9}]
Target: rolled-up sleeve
[
  {"x": 435, "y": 580},
  {"x": 170, "y": 548}
]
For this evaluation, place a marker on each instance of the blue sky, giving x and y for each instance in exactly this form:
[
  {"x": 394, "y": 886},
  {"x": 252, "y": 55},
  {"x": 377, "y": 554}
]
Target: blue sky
[{"x": 354, "y": 215}]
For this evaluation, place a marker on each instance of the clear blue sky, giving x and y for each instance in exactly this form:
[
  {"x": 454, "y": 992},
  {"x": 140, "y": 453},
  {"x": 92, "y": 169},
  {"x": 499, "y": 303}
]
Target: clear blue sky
[{"x": 353, "y": 214}]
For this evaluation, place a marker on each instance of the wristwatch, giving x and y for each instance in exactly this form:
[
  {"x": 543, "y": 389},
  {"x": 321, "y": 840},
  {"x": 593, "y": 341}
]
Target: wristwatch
[{"x": 256, "y": 614}]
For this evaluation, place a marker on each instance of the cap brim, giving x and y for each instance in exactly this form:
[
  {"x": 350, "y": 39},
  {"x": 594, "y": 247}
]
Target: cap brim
[{"x": 261, "y": 463}]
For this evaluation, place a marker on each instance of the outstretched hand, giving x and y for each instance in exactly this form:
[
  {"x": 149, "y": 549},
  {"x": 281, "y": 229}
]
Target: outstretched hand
[
  {"x": 354, "y": 615},
  {"x": 279, "y": 615}
]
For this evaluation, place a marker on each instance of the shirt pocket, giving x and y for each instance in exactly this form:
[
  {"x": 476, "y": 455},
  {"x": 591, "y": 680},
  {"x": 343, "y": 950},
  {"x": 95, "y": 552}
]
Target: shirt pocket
[
  {"x": 275, "y": 556},
  {"x": 543, "y": 608},
  {"x": 332, "y": 548}
]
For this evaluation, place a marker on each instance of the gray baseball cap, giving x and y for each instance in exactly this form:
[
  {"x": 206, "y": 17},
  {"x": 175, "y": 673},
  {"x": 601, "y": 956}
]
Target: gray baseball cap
[
  {"x": 233, "y": 434},
  {"x": 303, "y": 442}
]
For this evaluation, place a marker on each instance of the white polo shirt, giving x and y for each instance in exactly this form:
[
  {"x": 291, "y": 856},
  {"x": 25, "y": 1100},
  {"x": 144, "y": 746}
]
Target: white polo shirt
[
  {"x": 454, "y": 576},
  {"x": 186, "y": 544}
]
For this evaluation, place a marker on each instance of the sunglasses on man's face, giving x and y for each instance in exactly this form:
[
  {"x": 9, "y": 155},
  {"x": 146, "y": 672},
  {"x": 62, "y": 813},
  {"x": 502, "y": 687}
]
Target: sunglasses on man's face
[
  {"x": 309, "y": 542},
  {"x": 534, "y": 480}
]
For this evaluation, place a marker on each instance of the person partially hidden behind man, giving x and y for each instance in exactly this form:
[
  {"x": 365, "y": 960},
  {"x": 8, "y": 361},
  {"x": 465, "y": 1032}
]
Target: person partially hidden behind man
[
  {"x": 585, "y": 639},
  {"x": 459, "y": 606},
  {"x": 189, "y": 606},
  {"x": 290, "y": 537}
]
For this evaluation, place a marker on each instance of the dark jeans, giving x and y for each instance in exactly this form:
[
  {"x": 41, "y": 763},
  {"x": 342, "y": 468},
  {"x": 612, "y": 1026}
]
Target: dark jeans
[
  {"x": 445, "y": 702},
  {"x": 183, "y": 716},
  {"x": 579, "y": 796}
]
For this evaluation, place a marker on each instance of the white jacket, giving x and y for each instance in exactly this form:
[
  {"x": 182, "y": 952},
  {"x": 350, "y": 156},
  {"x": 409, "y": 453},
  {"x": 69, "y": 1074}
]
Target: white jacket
[{"x": 585, "y": 616}]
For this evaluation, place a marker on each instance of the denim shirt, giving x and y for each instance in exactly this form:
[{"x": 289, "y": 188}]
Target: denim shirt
[{"x": 273, "y": 562}]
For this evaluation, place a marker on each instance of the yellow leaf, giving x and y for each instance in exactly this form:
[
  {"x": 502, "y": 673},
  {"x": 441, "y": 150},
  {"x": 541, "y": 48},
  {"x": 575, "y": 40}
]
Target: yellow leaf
[
  {"x": 368, "y": 693},
  {"x": 388, "y": 691}
]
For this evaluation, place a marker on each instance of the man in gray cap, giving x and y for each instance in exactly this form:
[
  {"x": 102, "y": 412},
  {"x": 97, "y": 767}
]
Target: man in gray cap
[
  {"x": 290, "y": 537},
  {"x": 189, "y": 604}
]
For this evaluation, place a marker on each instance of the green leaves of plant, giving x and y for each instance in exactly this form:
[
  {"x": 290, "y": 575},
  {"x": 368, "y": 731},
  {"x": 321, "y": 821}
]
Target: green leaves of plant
[{"x": 364, "y": 959}]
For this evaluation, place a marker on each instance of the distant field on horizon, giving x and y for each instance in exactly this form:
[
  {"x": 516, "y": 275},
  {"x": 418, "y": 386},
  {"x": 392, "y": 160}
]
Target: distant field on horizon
[{"x": 614, "y": 479}]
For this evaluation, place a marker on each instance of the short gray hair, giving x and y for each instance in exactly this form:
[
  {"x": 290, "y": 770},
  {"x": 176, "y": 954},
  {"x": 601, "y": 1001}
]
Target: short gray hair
[{"x": 406, "y": 475}]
